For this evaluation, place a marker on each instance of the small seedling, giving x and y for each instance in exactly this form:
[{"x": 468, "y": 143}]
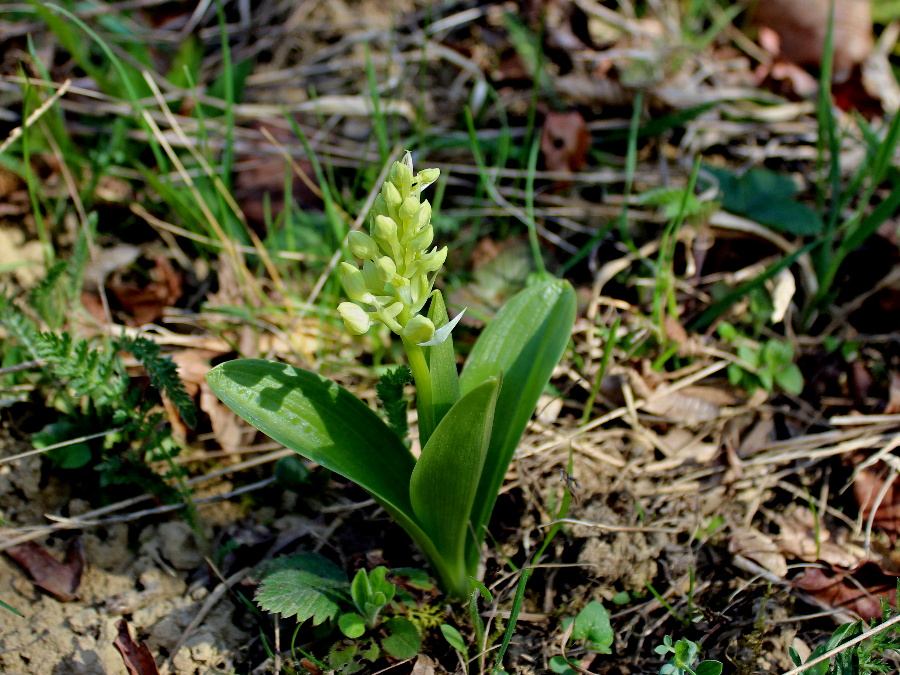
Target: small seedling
[
  {"x": 762, "y": 364},
  {"x": 685, "y": 659},
  {"x": 310, "y": 588},
  {"x": 591, "y": 629},
  {"x": 469, "y": 423}
]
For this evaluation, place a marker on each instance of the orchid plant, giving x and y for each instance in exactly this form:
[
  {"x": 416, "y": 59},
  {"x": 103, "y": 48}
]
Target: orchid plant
[{"x": 470, "y": 422}]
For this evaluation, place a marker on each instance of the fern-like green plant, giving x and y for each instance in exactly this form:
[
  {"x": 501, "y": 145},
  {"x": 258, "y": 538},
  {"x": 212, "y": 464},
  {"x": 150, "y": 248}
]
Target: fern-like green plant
[{"x": 86, "y": 381}]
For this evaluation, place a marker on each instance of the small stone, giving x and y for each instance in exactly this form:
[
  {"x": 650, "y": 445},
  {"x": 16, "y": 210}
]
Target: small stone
[
  {"x": 83, "y": 620},
  {"x": 178, "y": 546}
]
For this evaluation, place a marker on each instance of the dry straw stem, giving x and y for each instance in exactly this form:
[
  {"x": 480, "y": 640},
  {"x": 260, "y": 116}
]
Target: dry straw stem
[
  {"x": 92, "y": 518},
  {"x": 217, "y": 182},
  {"x": 36, "y": 115}
]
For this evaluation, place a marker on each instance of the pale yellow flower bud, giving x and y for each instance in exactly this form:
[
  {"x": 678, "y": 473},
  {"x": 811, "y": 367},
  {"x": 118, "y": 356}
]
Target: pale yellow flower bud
[
  {"x": 432, "y": 262},
  {"x": 362, "y": 246},
  {"x": 423, "y": 216},
  {"x": 372, "y": 278},
  {"x": 355, "y": 318},
  {"x": 384, "y": 230},
  {"x": 354, "y": 284},
  {"x": 401, "y": 177},
  {"x": 408, "y": 210},
  {"x": 391, "y": 195},
  {"x": 418, "y": 329},
  {"x": 426, "y": 177},
  {"x": 386, "y": 269}
]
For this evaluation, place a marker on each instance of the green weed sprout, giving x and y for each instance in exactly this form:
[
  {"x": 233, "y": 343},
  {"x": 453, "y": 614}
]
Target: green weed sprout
[{"x": 470, "y": 422}]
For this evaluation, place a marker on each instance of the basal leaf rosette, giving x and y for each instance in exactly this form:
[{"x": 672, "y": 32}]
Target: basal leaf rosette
[{"x": 398, "y": 269}]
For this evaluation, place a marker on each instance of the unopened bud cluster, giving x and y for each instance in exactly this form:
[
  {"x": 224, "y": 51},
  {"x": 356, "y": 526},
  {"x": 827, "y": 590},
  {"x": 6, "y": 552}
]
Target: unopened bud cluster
[{"x": 398, "y": 270}]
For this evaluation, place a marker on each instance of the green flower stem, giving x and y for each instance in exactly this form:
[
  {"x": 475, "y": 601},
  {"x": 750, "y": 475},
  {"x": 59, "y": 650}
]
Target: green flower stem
[{"x": 419, "y": 367}]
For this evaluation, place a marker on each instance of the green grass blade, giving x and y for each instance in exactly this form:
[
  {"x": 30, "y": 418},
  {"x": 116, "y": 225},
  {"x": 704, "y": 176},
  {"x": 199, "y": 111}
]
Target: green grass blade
[
  {"x": 524, "y": 342},
  {"x": 719, "y": 307},
  {"x": 444, "y": 483}
]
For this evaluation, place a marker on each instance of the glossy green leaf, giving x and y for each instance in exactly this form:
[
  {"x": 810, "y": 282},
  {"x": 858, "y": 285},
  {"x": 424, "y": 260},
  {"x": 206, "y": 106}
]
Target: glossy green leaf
[
  {"x": 454, "y": 639},
  {"x": 442, "y": 365},
  {"x": 327, "y": 424},
  {"x": 445, "y": 480},
  {"x": 352, "y": 625},
  {"x": 525, "y": 342}
]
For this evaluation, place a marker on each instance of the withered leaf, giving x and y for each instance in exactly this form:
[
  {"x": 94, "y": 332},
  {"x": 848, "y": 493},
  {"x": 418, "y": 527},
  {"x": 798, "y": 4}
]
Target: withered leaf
[
  {"x": 565, "y": 141},
  {"x": 137, "y": 657},
  {"x": 60, "y": 579},
  {"x": 858, "y": 590}
]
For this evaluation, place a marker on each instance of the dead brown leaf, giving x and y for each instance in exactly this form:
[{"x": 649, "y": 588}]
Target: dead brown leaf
[
  {"x": 867, "y": 486},
  {"x": 758, "y": 547},
  {"x": 688, "y": 405},
  {"x": 145, "y": 303},
  {"x": 193, "y": 364},
  {"x": 565, "y": 141},
  {"x": 860, "y": 589},
  {"x": 424, "y": 666},
  {"x": 137, "y": 657},
  {"x": 801, "y": 27},
  {"x": 60, "y": 579},
  {"x": 800, "y": 538}
]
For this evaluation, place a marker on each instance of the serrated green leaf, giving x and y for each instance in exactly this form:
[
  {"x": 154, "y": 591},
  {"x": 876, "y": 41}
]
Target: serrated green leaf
[
  {"x": 443, "y": 484},
  {"x": 592, "y": 626},
  {"x": 327, "y": 424},
  {"x": 525, "y": 342},
  {"x": 391, "y": 396},
  {"x": 454, "y": 639},
  {"x": 306, "y": 586},
  {"x": 402, "y": 640}
]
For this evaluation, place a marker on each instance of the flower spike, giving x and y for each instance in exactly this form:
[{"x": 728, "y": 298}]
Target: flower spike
[{"x": 398, "y": 270}]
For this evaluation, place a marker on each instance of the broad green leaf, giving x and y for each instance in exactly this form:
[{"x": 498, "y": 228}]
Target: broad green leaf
[
  {"x": 352, "y": 625},
  {"x": 444, "y": 482},
  {"x": 790, "y": 379},
  {"x": 403, "y": 640},
  {"x": 768, "y": 198},
  {"x": 709, "y": 668},
  {"x": 442, "y": 365},
  {"x": 592, "y": 626},
  {"x": 525, "y": 342},
  {"x": 307, "y": 586},
  {"x": 319, "y": 419},
  {"x": 327, "y": 424}
]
